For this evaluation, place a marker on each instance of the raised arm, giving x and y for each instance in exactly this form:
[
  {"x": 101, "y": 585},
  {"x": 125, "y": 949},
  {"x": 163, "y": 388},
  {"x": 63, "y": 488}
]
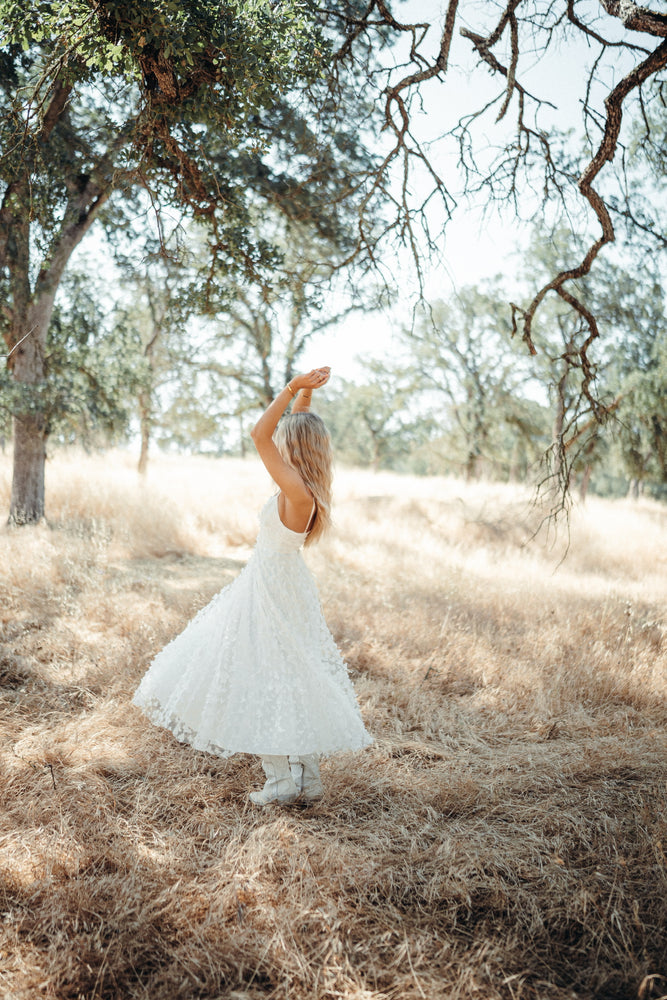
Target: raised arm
[
  {"x": 288, "y": 480},
  {"x": 302, "y": 401}
]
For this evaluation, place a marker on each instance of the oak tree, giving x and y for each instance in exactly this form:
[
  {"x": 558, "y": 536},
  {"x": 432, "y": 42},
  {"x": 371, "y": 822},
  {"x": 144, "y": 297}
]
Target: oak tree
[{"x": 109, "y": 111}]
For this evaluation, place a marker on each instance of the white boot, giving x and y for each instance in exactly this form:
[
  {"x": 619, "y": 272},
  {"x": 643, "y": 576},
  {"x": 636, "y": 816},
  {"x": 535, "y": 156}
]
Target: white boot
[
  {"x": 306, "y": 774},
  {"x": 279, "y": 786}
]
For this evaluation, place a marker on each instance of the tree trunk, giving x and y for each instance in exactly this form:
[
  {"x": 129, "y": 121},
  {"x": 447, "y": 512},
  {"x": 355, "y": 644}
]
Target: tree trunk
[
  {"x": 377, "y": 451},
  {"x": 585, "y": 481},
  {"x": 557, "y": 437},
  {"x": 27, "y": 503},
  {"x": 31, "y": 315},
  {"x": 242, "y": 435},
  {"x": 145, "y": 427},
  {"x": 513, "y": 470},
  {"x": 30, "y": 430},
  {"x": 473, "y": 463},
  {"x": 558, "y": 482},
  {"x": 635, "y": 488}
]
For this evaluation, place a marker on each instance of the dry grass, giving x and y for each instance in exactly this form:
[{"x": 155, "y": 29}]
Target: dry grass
[{"x": 503, "y": 838}]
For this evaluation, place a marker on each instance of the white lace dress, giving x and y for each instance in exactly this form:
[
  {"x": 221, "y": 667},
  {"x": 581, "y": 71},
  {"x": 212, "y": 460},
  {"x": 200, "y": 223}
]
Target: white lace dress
[{"x": 257, "y": 670}]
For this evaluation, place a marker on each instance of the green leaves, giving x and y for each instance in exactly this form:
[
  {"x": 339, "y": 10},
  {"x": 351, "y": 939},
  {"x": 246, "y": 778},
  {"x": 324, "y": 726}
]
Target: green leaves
[
  {"x": 146, "y": 81},
  {"x": 254, "y": 50}
]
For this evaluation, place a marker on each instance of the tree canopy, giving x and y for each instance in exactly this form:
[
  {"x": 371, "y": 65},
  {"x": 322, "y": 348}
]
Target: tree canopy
[{"x": 114, "y": 112}]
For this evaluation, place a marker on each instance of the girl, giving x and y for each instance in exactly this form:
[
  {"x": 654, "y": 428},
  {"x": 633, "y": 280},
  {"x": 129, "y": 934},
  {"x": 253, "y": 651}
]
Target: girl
[{"x": 257, "y": 670}]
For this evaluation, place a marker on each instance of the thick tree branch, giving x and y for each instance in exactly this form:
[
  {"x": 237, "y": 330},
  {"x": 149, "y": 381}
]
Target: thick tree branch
[
  {"x": 636, "y": 18},
  {"x": 604, "y": 42},
  {"x": 79, "y": 217},
  {"x": 604, "y": 153},
  {"x": 59, "y": 98},
  {"x": 511, "y": 73},
  {"x": 9, "y": 215},
  {"x": 482, "y": 45},
  {"x": 81, "y": 211},
  {"x": 439, "y": 66}
]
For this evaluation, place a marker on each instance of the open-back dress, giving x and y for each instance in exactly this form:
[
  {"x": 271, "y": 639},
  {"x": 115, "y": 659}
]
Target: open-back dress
[{"x": 257, "y": 670}]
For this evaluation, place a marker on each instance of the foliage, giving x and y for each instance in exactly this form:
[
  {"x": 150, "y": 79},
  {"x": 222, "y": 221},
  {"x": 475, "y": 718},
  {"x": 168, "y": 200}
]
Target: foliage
[
  {"x": 93, "y": 369},
  {"x": 627, "y": 295},
  {"x": 233, "y": 361},
  {"x": 471, "y": 383},
  {"x": 373, "y": 423},
  {"x": 201, "y": 113},
  {"x": 640, "y": 431},
  {"x": 199, "y": 416},
  {"x": 481, "y": 409}
]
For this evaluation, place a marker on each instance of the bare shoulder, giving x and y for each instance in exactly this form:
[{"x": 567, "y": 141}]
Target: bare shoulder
[{"x": 295, "y": 513}]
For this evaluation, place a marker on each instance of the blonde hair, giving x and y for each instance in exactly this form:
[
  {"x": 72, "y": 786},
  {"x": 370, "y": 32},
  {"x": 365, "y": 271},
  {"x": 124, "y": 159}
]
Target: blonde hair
[{"x": 304, "y": 443}]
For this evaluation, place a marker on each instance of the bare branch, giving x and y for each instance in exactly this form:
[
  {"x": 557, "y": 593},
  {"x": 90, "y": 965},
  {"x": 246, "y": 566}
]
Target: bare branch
[
  {"x": 604, "y": 153},
  {"x": 6, "y": 357},
  {"x": 511, "y": 73},
  {"x": 439, "y": 66},
  {"x": 604, "y": 42},
  {"x": 592, "y": 423},
  {"x": 636, "y": 18}
]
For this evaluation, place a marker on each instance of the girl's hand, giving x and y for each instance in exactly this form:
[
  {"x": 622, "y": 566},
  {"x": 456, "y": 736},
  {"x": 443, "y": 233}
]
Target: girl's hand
[{"x": 314, "y": 379}]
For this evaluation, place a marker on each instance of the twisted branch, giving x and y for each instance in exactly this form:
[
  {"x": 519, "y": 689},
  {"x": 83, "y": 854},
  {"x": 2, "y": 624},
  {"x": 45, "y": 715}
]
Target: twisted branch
[
  {"x": 636, "y": 18},
  {"x": 604, "y": 153}
]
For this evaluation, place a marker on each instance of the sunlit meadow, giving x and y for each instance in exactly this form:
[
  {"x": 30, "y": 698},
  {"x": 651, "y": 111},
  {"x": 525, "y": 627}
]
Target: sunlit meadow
[{"x": 504, "y": 837}]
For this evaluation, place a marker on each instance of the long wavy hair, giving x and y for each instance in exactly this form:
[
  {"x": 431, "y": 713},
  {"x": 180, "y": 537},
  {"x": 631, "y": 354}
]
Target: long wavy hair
[{"x": 304, "y": 443}]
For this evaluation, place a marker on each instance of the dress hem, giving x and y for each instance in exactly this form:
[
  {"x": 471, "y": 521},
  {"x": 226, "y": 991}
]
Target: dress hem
[{"x": 187, "y": 736}]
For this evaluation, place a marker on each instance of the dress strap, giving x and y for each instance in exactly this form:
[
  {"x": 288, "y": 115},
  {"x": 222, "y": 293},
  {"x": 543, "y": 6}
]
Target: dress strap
[{"x": 312, "y": 516}]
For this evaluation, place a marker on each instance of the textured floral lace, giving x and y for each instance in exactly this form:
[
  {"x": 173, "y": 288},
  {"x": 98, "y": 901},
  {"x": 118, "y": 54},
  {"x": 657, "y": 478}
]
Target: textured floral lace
[{"x": 257, "y": 670}]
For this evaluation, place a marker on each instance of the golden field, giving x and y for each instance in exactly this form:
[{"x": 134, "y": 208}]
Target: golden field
[{"x": 505, "y": 835}]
